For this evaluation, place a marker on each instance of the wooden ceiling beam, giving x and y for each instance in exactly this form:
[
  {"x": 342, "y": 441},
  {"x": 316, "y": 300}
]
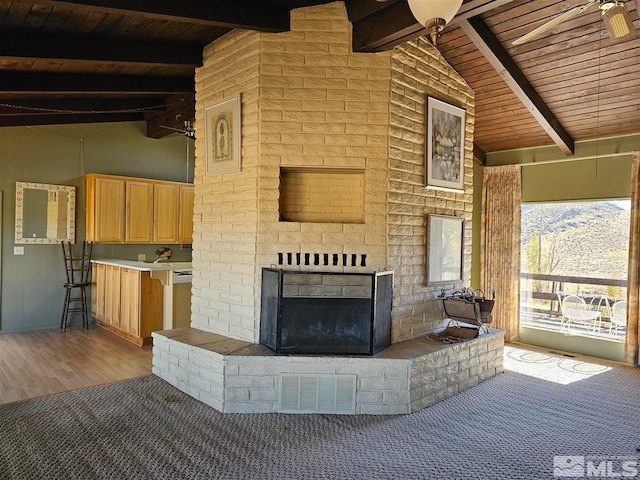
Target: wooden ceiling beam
[
  {"x": 174, "y": 117},
  {"x": 383, "y": 28},
  {"x": 82, "y": 84},
  {"x": 25, "y": 120},
  {"x": 479, "y": 157},
  {"x": 214, "y": 14},
  {"x": 358, "y": 9},
  {"x": 478, "y": 31},
  {"x": 50, "y": 47}
]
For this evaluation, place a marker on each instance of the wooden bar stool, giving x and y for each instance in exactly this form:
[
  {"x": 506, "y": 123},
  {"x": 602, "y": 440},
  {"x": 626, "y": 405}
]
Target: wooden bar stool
[{"x": 77, "y": 271}]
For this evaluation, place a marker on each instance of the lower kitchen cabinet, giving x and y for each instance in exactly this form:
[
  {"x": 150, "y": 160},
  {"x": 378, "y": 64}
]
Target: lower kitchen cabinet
[{"x": 127, "y": 302}]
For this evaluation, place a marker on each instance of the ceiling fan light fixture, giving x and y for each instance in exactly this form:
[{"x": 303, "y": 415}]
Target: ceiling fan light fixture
[
  {"x": 434, "y": 14},
  {"x": 617, "y": 20}
]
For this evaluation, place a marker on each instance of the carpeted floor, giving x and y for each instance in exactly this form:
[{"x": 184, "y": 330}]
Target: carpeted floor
[{"x": 509, "y": 427}]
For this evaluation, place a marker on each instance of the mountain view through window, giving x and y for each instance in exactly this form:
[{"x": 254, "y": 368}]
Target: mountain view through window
[{"x": 574, "y": 248}]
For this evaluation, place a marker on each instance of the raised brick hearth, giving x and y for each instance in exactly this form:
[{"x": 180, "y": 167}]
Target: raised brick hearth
[{"x": 233, "y": 376}]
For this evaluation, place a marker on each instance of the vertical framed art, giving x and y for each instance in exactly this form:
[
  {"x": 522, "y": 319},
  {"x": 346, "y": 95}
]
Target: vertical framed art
[
  {"x": 222, "y": 134},
  {"x": 444, "y": 160},
  {"x": 445, "y": 236}
]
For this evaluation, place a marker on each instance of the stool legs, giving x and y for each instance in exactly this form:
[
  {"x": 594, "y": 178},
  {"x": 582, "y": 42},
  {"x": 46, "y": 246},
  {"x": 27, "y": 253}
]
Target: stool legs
[{"x": 67, "y": 308}]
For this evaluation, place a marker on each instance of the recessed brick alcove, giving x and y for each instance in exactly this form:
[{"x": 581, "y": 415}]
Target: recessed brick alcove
[{"x": 233, "y": 376}]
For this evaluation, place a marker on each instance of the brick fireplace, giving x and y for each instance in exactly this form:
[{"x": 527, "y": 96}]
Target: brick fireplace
[{"x": 332, "y": 180}]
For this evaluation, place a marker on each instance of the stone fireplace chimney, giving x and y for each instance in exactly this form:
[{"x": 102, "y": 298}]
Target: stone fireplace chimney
[{"x": 332, "y": 180}]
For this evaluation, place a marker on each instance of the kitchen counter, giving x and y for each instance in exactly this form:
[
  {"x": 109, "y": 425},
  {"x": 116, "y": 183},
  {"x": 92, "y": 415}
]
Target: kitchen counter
[
  {"x": 144, "y": 266},
  {"x": 174, "y": 283}
]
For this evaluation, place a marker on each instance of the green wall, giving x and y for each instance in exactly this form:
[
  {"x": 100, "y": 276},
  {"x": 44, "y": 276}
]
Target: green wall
[
  {"x": 599, "y": 169},
  {"x": 591, "y": 179},
  {"x": 32, "y": 292}
]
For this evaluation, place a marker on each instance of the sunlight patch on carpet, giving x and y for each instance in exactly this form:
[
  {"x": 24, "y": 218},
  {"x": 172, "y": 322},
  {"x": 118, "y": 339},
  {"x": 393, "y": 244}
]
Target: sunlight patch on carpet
[{"x": 550, "y": 367}]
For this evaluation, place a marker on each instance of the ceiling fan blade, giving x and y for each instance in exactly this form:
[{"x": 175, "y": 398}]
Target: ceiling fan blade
[
  {"x": 553, "y": 22},
  {"x": 186, "y": 131},
  {"x": 181, "y": 130}
]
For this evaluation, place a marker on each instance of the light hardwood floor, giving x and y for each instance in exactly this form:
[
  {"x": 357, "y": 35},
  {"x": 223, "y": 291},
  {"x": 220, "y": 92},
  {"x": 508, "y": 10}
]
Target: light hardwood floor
[{"x": 44, "y": 362}]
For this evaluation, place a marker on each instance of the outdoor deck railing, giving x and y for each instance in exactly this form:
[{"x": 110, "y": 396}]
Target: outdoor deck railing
[{"x": 539, "y": 302}]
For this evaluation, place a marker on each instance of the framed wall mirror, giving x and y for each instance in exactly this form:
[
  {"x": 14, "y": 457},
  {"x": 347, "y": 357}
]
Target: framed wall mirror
[
  {"x": 444, "y": 249},
  {"x": 45, "y": 213}
]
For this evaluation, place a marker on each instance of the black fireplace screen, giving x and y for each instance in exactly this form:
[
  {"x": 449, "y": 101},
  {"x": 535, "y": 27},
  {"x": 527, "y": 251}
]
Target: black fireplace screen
[{"x": 326, "y": 312}]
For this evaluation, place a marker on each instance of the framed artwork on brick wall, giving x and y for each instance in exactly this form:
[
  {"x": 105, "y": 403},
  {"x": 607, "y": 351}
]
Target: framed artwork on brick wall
[
  {"x": 444, "y": 160},
  {"x": 444, "y": 249},
  {"x": 222, "y": 134}
]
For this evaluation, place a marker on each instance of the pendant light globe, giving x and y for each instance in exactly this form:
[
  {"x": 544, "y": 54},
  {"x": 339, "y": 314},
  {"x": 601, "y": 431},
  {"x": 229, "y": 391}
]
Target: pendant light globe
[{"x": 434, "y": 14}]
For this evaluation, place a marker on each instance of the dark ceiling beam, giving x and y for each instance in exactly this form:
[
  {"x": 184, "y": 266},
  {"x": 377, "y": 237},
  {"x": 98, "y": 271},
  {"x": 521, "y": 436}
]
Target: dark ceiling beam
[
  {"x": 182, "y": 110},
  {"x": 479, "y": 157},
  {"x": 75, "y": 83},
  {"x": 84, "y": 105},
  {"x": 101, "y": 50},
  {"x": 386, "y": 27},
  {"x": 358, "y": 9},
  {"x": 480, "y": 34},
  {"x": 25, "y": 120},
  {"x": 227, "y": 14}
]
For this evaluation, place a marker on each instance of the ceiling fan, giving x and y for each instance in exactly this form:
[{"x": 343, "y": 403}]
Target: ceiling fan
[
  {"x": 614, "y": 13},
  {"x": 188, "y": 130}
]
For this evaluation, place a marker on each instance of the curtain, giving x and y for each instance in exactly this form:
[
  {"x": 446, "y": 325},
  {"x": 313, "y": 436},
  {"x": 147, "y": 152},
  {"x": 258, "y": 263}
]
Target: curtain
[
  {"x": 633, "y": 286},
  {"x": 500, "y": 254}
]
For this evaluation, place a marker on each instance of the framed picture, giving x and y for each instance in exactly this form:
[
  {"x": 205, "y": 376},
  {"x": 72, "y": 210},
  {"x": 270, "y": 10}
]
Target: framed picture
[
  {"x": 222, "y": 133},
  {"x": 444, "y": 249},
  {"x": 445, "y": 146}
]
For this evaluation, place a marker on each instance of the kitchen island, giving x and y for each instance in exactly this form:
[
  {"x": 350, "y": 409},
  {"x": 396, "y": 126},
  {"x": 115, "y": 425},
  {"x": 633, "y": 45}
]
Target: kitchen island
[{"x": 133, "y": 298}]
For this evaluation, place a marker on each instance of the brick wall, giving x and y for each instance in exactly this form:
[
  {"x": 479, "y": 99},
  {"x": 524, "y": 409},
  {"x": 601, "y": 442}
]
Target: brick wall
[
  {"x": 408, "y": 377},
  {"x": 418, "y": 71},
  {"x": 226, "y": 206},
  {"x": 308, "y": 101},
  {"x": 323, "y": 106}
]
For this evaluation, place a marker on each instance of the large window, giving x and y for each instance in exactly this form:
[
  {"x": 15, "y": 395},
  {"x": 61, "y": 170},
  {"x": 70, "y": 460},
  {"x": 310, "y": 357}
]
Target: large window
[{"x": 578, "y": 252}]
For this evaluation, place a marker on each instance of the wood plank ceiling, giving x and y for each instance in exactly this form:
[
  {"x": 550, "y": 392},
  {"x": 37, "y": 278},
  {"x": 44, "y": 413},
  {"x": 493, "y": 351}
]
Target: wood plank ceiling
[{"x": 116, "y": 60}]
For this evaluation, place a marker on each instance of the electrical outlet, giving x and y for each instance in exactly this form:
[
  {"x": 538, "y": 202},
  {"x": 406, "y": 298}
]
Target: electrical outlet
[
  {"x": 18, "y": 250},
  {"x": 142, "y": 257}
]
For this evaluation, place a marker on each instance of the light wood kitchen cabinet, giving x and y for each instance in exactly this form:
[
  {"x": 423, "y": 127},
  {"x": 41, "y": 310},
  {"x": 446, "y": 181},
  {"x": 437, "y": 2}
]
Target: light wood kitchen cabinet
[
  {"x": 185, "y": 227},
  {"x": 138, "y": 210},
  {"x": 105, "y": 209},
  {"x": 165, "y": 213},
  {"x": 128, "y": 302},
  {"x": 96, "y": 297},
  {"x": 111, "y": 308}
]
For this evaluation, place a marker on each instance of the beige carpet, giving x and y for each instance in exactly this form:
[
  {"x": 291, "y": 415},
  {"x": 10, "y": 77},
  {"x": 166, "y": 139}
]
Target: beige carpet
[{"x": 510, "y": 427}]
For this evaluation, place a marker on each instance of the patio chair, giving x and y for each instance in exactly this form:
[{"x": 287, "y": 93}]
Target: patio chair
[
  {"x": 618, "y": 316},
  {"x": 575, "y": 309},
  {"x": 601, "y": 303}
]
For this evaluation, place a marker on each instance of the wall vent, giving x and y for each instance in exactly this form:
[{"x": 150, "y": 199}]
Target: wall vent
[{"x": 309, "y": 393}]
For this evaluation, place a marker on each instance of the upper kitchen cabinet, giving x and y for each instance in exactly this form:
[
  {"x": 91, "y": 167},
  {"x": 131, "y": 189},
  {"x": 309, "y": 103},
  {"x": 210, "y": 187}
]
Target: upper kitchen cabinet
[
  {"x": 105, "y": 209},
  {"x": 138, "y": 210},
  {"x": 165, "y": 213},
  {"x": 185, "y": 227}
]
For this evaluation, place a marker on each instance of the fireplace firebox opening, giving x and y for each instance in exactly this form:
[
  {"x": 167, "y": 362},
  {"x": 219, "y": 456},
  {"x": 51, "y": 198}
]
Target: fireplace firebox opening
[{"x": 306, "y": 312}]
